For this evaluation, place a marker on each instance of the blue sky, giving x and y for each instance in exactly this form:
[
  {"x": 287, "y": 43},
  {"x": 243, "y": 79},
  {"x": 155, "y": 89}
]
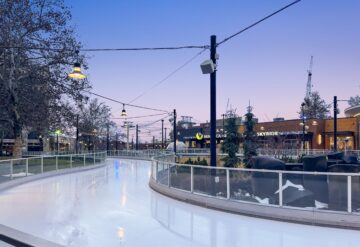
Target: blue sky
[{"x": 266, "y": 65}]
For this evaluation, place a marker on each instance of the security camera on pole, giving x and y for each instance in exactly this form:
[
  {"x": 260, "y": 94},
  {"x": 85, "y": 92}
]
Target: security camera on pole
[{"x": 209, "y": 67}]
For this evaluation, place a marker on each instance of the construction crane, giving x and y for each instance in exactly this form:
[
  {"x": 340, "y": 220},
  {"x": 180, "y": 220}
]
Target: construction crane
[{"x": 309, "y": 83}]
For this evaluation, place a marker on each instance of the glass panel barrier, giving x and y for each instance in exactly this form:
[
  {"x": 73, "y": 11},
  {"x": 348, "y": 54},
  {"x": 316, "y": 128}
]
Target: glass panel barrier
[
  {"x": 180, "y": 177},
  {"x": 34, "y": 165},
  {"x": 210, "y": 181},
  {"x": 241, "y": 186},
  {"x": 153, "y": 169},
  {"x": 19, "y": 168},
  {"x": 337, "y": 193},
  {"x": 49, "y": 163},
  {"x": 77, "y": 160},
  {"x": 264, "y": 187},
  {"x": 89, "y": 159},
  {"x": 5, "y": 170},
  {"x": 355, "y": 193},
  {"x": 97, "y": 158},
  {"x": 315, "y": 191},
  {"x": 163, "y": 173},
  {"x": 63, "y": 162}
]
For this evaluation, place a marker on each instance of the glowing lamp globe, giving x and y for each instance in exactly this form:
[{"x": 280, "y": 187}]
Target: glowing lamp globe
[{"x": 76, "y": 73}]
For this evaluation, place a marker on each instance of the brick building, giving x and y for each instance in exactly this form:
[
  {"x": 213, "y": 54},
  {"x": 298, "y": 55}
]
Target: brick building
[{"x": 285, "y": 134}]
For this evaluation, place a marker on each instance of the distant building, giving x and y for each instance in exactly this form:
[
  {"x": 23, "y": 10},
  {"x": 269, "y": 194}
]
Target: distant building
[{"x": 284, "y": 134}]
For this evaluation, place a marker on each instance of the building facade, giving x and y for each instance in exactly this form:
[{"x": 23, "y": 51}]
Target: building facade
[{"x": 284, "y": 134}]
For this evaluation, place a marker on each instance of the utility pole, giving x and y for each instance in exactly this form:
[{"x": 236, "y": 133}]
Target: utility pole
[
  {"x": 174, "y": 130},
  {"x": 335, "y": 123},
  {"x": 303, "y": 126},
  {"x": 213, "y": 103},
  {"x": 162, "y": 133},
  {"x": 57, "y": 143},
  {"x": 107, "y": 138},
  {"x": 77, "y": 134},
  {"x": 165, "y": 138},
  {"x": 127, "y": 135},
  {"x": 223, "y": 127},
  {"x": 137, "y": 137},
  {"x": 2, "y": 142},
  {"x": 116, "y": 143},
  {"x": 153, "y": 142}
]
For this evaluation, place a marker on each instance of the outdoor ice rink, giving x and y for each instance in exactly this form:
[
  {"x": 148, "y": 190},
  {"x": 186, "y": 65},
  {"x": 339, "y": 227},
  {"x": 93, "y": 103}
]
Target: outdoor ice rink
[{"x": 114, "y": 206}]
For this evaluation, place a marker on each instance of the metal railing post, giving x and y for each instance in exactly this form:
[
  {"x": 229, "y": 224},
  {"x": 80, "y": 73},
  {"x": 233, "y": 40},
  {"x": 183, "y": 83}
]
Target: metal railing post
[
  {"x": 70, "y": 161},
  {"x": 27, "y": 167},
  {"x": 192, "y": 179},
  {"x": 280, "y": 189},
  {"x": 56, "y": 163},
  {"x": 11, "y": 169},
  {"x": 168, "y": 175},
  {"x": 42, "y": 164},
  {"x": 84, "y": 159},
  {"x": 157, "y": 167},
  {"x": 227, "y": 184},
  {"x": 349, "y": 195},
  {"x": 152, "y": 169},
  {"x": 94, "y": 159}
]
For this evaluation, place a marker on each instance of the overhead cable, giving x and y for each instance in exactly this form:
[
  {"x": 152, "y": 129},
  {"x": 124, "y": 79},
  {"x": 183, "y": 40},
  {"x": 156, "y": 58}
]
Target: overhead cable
[
  {"x": 259, "y": 21},
  {"x": 144, "y": 116},
  {"x": 107, "y": 49},
  {"x": 126, "y": 104},
  {"x": 145, "y": 125},
  {"x": 168, "y": 76}
]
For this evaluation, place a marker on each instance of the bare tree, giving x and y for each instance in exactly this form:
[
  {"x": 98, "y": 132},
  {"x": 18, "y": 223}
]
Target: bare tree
[
  {"x": 37, "y": 48},
  {"x": 94, "y": 121},
  {"x": 315, "y": 107},
  {"x": 354, "y": 101}
]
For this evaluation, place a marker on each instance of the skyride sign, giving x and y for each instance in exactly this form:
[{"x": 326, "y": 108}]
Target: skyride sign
[{"x": 279, "y": 133}]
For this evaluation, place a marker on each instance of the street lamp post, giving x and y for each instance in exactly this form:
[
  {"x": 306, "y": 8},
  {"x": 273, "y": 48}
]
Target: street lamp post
[
  {"x": 94, "y": 139},
  {"x": 174, "y": 130},
  {"x": 57, "y": 132},
  {"x": 57, "y": 143},
  {"x": 165, "y": 138},
  {"x": 209, "y": 67},
  {"x": 223, "y": 125},
  {"x": 213, "y": 103},
  {"x": 303, "y": 125},
  {"x": 162, "y": 133},
  {"x": 336, "y": 111},
  {"x": 77, "y": 134},
  {"x": 116, "y": 142},
  {"x": 335, "y": 123},
  {"x": 107, "y": 138},
  {"x": 346, "y": 143},
  {"x": 137, "y": 138}
]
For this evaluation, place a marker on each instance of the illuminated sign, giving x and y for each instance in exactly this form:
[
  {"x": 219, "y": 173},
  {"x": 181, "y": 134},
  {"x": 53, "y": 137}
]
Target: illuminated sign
[
  {"x": 199, "y": 136},
  {"x": 277, "y": 133}
]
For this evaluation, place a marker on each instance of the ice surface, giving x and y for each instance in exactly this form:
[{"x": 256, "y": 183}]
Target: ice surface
[{"x": 114, "y": 206}]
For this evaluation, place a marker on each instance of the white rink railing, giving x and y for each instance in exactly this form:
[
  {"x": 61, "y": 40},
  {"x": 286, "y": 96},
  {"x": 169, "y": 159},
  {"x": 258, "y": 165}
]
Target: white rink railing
[
  {"x": 299, "y": 152},
  {"x": 23, "y": 167},
  {"x": 40, "y": 153},
  {"x": 206, "y": 151},
  {"x": 231, "y": 184},
  {"x": 331, "y": 191}
]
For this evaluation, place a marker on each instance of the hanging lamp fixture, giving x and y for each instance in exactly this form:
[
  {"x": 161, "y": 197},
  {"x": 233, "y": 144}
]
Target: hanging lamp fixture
[
  {"x": 76, "y": 73},
  {"x": 123, "y": 112}
]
